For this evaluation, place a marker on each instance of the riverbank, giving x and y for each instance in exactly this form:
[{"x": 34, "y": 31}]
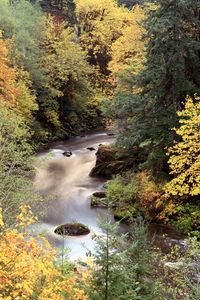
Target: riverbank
[
  {"x": 132, "y": 191},
  {"x": 67, "y": 181}
]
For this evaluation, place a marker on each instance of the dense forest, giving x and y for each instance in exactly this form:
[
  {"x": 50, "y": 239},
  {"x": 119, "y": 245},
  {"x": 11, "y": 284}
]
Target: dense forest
[{"x": 68, "y": 67}]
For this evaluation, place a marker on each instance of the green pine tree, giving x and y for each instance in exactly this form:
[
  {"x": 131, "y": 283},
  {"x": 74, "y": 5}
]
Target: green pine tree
[
  {"x": 122, "y": 265},
  {"x": 146, "y": 103}
]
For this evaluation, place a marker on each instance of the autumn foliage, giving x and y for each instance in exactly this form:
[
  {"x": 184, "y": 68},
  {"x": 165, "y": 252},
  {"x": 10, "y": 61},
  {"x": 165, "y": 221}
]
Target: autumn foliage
[
  {"x": 184, "y": 155},
  {"x": 27, "y": 267},
  {"x": 8, "y": 90}
]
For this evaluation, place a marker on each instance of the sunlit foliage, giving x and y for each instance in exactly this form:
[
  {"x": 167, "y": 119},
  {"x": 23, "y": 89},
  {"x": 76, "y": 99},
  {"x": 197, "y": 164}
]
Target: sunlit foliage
[
  {"x": 184, "y": 155},
  {"x": 8, "y": 90},
  {"x": 101, "y": 23},
  {"x": 65, "y": 71},
  {"x": 129, "y": 46},
  {"x": 27, "y": 265}
]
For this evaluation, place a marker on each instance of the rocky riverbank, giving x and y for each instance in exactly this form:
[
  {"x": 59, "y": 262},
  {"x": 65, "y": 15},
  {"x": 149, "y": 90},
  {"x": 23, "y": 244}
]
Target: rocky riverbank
[{"x": 132, "y": 192}]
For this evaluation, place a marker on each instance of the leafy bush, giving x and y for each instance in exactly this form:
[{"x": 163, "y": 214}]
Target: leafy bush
[
  {"x": 180, "y": 271},
  {"x": 184, "y": 216},
  {"x": 28, "y": 269},
  {"x": 132, "y": 192},
  {"x": 122, "y": 189}
]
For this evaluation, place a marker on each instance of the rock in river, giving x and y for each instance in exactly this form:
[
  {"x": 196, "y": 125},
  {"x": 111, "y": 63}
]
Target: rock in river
[
  {"x": 91, "y": 148},
  {"x": 98, "y": 199},
  {"x": 72, "y": 229},
  {"x": 67, "y": 153}
]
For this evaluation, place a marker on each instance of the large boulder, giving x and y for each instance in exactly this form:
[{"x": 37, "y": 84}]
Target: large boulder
[
  {"x": 112, "y": 160},
  {"x": 72, "y": 229}
]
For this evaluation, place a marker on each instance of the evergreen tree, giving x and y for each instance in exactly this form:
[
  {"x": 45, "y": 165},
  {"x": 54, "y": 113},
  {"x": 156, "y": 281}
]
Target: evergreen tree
[
  {"x": 121, "y": 265},
  {"x": 146, "y": 103},
  {"x": 173, "y": 63}
]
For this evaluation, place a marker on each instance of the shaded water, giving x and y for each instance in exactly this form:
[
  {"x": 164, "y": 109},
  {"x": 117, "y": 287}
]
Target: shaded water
[{"x": 67, "y": 180}]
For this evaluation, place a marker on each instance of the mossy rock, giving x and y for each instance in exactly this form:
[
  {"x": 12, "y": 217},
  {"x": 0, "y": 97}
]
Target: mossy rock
[
  {"x": 108, "y": 169},
  {"x": 72, "y": 229},
  {"x": 99, "y": 195},
  {"x": 98, "y": 202},
  {"x": 98, "y": 199}
]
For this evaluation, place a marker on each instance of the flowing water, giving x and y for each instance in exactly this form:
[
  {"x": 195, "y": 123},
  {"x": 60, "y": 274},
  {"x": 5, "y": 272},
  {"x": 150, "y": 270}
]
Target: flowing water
[{"x": 68, "y": 182}]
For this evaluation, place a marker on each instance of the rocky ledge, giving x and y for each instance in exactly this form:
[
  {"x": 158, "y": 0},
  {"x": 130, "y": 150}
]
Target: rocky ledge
[{"x": 112, "y": 160}]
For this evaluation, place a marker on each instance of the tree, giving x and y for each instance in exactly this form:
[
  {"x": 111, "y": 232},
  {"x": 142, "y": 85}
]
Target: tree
[
  {"x": 121, "y": 266},
  {"x": 62, "y": 9},
  {"x": 146, "y": 102},
  {"x": 28, "y": 269},
  {"x": 8, "y": 90},
  {"x": 15, "y": 165},
  {"x": 27, "y": 104},
  {"x": 172, "y": 67},
  {"x": 184, "y": 156},
  {"x": 50, "y": 68},
  {"x": 100, "y": 24},
  {"x": 23, "y": 22},
  {"x": 65, "y": 63},
  {"x": 129, "y": 46},
  {"x": 15, "y": 86},
  {"x": 109, "y": 274}
]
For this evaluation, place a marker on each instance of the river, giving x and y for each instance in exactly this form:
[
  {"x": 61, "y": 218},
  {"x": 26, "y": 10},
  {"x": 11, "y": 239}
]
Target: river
[{"x": 68, "y": 182}]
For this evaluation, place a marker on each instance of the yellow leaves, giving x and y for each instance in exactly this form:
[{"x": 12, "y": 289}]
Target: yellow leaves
[
  {"x": 26, "y": 100},
  {"x": 27, "y": 269},
  {"x": 25, "y": 218},
  {"x": 1, "y": 218},
  {"x": 101, "y": 23},
  {"x": 64, "y": 65},
  {"x": 8, "y": 90},
  {"x": 129, "y": 45},
  {"x": 184, "y": 158}
]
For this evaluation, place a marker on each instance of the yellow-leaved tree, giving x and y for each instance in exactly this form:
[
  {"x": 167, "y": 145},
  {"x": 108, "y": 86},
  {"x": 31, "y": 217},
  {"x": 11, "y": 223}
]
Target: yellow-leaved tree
[
  {"x": 129, "y": 46},
  {"x": 15, "y": 85},
  {"x": 66, "y": 71},
  {"x": 27, "y": 266},
  {"x": 184, "y": 160},
  {"x": 101, "y": 23},
  {"x": 8, "y": 91}
]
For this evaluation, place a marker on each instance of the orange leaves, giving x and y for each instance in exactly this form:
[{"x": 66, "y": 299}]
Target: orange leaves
[
  {"x": 27, "y": 269},
  {"x": 8, "y": 90},
  {"x": 25, "y": 218},
  {"x": 150, "y": 195}
]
